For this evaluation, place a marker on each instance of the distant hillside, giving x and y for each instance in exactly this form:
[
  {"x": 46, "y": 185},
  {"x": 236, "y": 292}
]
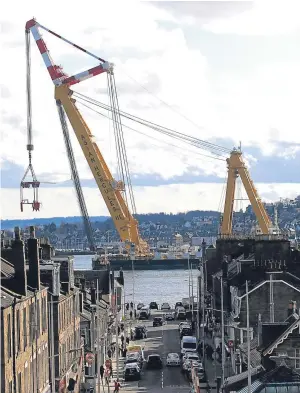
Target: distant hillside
[{"x": 8, "y": 224}]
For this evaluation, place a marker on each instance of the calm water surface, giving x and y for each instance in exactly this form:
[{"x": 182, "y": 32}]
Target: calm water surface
[{"x": 151, "y": 285}]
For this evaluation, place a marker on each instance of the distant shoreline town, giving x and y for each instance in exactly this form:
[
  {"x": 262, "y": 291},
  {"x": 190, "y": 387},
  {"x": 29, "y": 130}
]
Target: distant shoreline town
[{"x": 159, "y": 228}]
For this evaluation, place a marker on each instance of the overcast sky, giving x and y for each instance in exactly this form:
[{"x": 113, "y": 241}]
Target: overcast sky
[{"x": 224, "y": 71}]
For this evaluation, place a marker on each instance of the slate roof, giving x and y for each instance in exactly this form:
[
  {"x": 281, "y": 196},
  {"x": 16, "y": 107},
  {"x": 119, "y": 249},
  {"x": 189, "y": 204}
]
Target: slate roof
[
  {"x": 7, "y": 268},
  {"x": 255, "y": 354},
  {"x": 282, "y": 336},
  {"x": 244, "y": 375}
]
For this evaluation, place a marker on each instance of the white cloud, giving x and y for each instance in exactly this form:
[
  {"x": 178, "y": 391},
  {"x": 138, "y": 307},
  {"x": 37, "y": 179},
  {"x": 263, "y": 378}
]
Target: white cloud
[
  {"x": 267, "y": 17},
  {"x": 128, "y": 33},
  {"x": 170, "y": 198}
]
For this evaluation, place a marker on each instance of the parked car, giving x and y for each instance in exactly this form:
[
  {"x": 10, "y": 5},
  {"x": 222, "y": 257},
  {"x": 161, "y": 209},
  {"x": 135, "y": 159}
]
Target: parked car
[
  {"x": 183, "y": 324},
  {"x": 178, "y": 304},
  {"x": 140, "y": 305},
  {"x": 173, "y": 359},
  {"x": 132, "y": 372},
  {"x": 185, "y": 331},
  {"x": 140, "y": 332},
  {"x": 165, "y": 306},
  {"x": 154, "y": 361},
  {"x": 157, "y": 321},
  {"x": 134, "y": 357},
  {"x": 153, "y": 306},
  {"x": 169, "y": 316},
  {"x": 144, "y": 313}
]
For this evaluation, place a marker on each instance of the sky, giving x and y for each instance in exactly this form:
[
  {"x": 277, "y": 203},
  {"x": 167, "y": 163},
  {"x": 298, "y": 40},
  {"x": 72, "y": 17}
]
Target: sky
[{"x": 226, "y": 72}]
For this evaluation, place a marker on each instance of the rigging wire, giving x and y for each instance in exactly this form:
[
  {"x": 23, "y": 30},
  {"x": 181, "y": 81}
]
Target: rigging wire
[
  {"x": 162, "y": 101},
  {"x": 205, "y": 145},
  {"x": 148, "y": 136},
  {"x": 120, "y": 143},
  {"x": 152, "y": 137}
]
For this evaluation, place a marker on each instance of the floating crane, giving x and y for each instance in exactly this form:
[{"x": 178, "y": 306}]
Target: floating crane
[
  {"x": 33, "y": 182},
  {"x": 113, "y": 191}
]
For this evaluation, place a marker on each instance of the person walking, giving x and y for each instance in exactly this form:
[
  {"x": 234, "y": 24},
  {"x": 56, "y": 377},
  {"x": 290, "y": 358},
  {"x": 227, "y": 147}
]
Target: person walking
[
  {"x": 101, "y": 372},
  {"x": 130, "y": 314},
  {"x": 131, "y": 304},
  {"x": 117, "y": 386}
]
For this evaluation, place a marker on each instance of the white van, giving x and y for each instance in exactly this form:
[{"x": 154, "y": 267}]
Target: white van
[{"x": 188, "y": 344}]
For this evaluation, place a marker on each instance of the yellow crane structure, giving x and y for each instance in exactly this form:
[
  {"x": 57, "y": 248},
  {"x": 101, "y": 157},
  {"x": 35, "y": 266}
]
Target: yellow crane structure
[
  {"x": 236, "y": 167},
  {"x": 112, "y": 191}
]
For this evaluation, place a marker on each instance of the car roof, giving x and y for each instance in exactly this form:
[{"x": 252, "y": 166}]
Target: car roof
[
  {"x": 157, "y": 317},
  {"x": 131, "y": 365},
  {"x": 153, "y": 354},
  {"x": 173, "y": 354},
  {"x": 189, "y": 339}
]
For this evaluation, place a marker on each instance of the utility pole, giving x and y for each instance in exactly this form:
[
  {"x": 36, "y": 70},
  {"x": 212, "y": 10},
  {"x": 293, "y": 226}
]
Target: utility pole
[
  {"x": 248, "y": 339},
  {"x": 222, "y": 331},
  {"x": 98, "y": 337},
  {"x": 93, "y": 343},
  {"x": 117, "y": 334},
  {"x": 52, "y": 346}
]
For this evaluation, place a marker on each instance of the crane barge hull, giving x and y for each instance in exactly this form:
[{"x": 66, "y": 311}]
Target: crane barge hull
[{"x": 148, "y": 264}]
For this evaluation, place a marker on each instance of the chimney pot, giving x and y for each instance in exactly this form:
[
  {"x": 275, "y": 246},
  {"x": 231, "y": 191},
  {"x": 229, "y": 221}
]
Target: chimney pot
[
  {"x": 32, "y": 232},
  {"x": 17, "y": 233}
]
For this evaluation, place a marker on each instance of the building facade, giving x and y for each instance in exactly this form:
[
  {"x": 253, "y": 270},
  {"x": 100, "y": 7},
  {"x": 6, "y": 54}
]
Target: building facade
[{"x": 24, "y": 333}]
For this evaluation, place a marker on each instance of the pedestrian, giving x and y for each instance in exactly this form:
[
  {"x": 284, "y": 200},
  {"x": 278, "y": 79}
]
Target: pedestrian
[
  {"x": 127, "y": 306},
  {"x": 124, "y": 352},
  {"x": 101, "y": 372},
  {"x": 135, "y": 313},
  {"x": 127, "y": 340},
  {"x": 130, "y": 314},
  {"x": 122, "y": 339},
  {"x": 107, "y": 375},
  {"x": 109, "y": 353},
  {"x": 119, "y": 330},
  {"x": 117, "y": 386},
  {"x": 131, "y": 304},
  {"x": 122, "y": 327}
]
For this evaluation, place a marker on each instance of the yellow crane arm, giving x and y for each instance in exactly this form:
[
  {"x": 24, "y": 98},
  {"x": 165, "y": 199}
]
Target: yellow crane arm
[
  {"x": 125, "y": 223},
  {"x": 237, "y": 167}
]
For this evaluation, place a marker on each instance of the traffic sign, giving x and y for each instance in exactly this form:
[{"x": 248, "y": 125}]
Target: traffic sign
[
  {"x": 230, "y": 343},
  {"x": 89, "y": 357}
]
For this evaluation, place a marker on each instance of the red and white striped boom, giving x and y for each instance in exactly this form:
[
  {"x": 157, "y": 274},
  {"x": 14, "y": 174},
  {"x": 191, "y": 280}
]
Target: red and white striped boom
[{"x": 56, "y": 73}]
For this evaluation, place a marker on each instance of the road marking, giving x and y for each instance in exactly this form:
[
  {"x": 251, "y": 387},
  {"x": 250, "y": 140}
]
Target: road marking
[{"x": 162, "y": 379}]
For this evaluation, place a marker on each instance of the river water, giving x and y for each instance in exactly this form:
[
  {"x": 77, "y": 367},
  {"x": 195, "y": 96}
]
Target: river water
[{"x": 152, "y": 285}]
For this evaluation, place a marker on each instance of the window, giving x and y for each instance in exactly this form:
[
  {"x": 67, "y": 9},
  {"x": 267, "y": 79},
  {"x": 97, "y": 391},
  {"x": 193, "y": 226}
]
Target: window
[
  {"x": 9, "y": 352},
  {"x": 31, "y": 323},
  {"x": 25, "y": 328},
  {"x": 19, "y": 383},
  {"x": 10, "y": 387},
  {"x": 38, "y": 328},
  {"x": 18, "y": 328},
  {"x": 26, "y": 387},
  {"x": 297, "y": 356}
]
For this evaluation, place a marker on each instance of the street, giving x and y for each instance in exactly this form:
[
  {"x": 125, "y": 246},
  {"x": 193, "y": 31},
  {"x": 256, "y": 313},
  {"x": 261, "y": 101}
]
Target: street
[{"x": 161, "y": 340}]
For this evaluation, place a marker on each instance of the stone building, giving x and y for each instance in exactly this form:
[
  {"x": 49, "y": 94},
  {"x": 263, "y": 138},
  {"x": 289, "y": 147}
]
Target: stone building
[
  {"x": 24, "y": 333},
  {"x": 64, "y": 300}
]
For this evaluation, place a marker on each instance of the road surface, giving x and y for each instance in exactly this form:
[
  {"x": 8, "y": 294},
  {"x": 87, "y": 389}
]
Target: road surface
[{"x": 161, "y": 340}]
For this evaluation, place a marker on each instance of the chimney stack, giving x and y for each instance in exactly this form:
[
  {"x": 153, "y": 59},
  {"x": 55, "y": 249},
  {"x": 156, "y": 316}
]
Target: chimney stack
[
  {"x": 33, "y": 260},
  {"x": 93, "y": 295},
  {"x": 18, "y": 260},
  {"x": 292, "y": 308}
]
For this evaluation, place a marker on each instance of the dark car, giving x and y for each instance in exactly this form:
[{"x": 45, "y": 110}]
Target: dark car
[
  {"x": 170, "y": 316},
  {"x": 140, "y": 332},
  {"x": 157, "y": 321},
  {"x": 132, "y": 371},
  {"x": 153, "y": 306},
  {"x": 154, "y": 361},
  {"x": 186, "y": 331}
]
